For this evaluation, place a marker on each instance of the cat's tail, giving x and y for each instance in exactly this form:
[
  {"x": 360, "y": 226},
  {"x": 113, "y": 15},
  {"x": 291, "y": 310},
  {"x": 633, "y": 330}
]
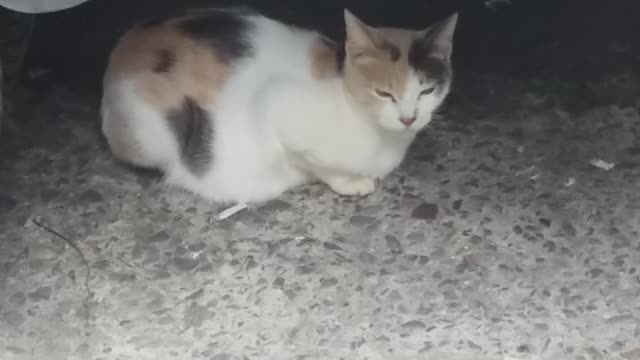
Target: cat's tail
[{"x": 136, "y": 133}]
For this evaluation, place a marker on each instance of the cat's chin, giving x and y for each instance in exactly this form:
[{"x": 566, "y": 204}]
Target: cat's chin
[{"x": 400, "y": 129}]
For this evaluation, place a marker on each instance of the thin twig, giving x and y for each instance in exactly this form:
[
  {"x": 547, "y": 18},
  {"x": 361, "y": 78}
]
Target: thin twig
[{"x": 84, "y": 261}]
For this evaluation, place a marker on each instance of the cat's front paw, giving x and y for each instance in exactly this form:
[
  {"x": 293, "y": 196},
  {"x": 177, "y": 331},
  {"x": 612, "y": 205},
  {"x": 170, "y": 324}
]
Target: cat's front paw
[{"x": 352, "y": 186}]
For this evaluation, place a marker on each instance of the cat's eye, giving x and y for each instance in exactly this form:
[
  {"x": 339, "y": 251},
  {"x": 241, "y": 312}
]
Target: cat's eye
[
  {"x": 427, "y": 91},
  {"x": 384, "y": 94}
]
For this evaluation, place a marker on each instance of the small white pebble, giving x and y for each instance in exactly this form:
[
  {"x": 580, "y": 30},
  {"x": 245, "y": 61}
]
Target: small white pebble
[
  {"x": 570, "y": 182},
  {"x": 231, "y": 211},
  {"x": 195, "y": 254},
  {"x": 601, "y": 164}
]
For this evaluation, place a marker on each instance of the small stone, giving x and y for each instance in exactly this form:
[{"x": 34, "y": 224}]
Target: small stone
[
  {"x": 331, "y": 246},
  {"x": 185, "y": 264},
  {"x": 545, "y": 222},
  {"x": 17, "y": 299},
  {"x": 14, "y": 318},
  {"x": 275, "y": 206},
  {"x": 101, "y": 264},
  {"x": 366, "y": 257},
  {"x": 199, "y": 246},
  {"x": 278, "y": 282},
  {"x": 542, "y": 326},
  {"x": 123, "y": 277},
  {"x": 195, "y": 295},
  {"x": 42, "y": 293},
  {"x": 305, "y": 269},
  {"x": 594, "y": 273},
  {"x": 251, "y": 263},
  {"x": 473, "y": 345},
  {"x": 360, "y": 220},
  {"x": 425, "y": 211},
  {"x": 457, "y": 205},
  {"x": 393, "y": 244},
  {"x": 568, "y": 228},
  {"x": 90, "y": 196},
  {"x": 195, "y": 315},
  {"x": 159, "y": 236},
  {"x": 523, "y": 348},
  {"x": 414, "y": 324},
  {"x": 550, "y": 246},
  {"x": 328, "y": 282},
  {"x": 475, "y": 239}
]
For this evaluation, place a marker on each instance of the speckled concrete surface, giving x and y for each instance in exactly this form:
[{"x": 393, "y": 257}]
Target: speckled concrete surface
[{"x": 496, "y": 240}]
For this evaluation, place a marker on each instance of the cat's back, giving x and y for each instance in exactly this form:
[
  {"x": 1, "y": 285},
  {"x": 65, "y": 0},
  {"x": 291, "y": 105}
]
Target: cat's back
[
  {"x": 194, "y": 56},
  {"x": 169, "y": 59}
]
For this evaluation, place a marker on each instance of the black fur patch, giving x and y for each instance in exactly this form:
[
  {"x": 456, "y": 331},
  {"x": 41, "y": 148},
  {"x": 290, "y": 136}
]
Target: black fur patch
[
  {"x": 165, "y": 59},
  {"x": 430, "y": 67},
  {"x": 393, "y": 50},
  {"x": 225, "y": 32},
  {"x": 194, "y": 131},
  {"x": 340, "y": 52}
]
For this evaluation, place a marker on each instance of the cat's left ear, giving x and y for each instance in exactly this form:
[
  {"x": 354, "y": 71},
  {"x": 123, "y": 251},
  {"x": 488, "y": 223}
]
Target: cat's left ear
[
  {"x": 438, "y": 37},
  {"x": 361, "y": 42}
]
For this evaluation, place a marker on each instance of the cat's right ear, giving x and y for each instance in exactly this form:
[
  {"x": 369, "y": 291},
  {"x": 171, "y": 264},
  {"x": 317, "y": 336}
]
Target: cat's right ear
[
  {"x": 361, "y": 38},
  {"x": 438, "y": 38}
]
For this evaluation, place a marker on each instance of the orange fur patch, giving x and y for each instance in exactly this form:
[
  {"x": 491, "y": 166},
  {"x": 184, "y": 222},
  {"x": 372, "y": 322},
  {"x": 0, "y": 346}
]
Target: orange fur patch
[
  {"x": 324, "y": 62},
  {"x": 167, "y": 66}
]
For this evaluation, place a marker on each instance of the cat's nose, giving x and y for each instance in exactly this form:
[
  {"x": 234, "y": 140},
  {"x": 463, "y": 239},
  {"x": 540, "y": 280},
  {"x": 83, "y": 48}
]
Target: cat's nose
[{"x": 407, "y": 121}]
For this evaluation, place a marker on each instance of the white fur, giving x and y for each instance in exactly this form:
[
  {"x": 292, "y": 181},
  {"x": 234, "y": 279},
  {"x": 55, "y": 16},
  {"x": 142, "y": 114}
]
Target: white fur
[
  {"x": 411, "y": 104},
  {"x": 275, "y": 127}
]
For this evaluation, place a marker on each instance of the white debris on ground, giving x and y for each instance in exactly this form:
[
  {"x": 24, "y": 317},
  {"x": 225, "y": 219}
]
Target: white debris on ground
[
  {"x": 570, "y": 182},
  {"x": 606, "y": 166},
  {"x": 231, "y": 211}
]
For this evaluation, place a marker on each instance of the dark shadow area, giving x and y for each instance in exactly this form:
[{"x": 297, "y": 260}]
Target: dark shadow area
[{"x": 572, "y": 38}]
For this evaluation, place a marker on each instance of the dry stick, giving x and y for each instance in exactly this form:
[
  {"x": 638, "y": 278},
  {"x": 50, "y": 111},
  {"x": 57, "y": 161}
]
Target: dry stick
[{"x": 84, "y": 261}]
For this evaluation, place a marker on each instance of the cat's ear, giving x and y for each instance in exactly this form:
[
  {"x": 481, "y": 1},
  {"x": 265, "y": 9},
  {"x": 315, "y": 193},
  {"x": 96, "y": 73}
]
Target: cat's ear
[
  {"x": 438, "y": 38},
  {"x": 361, "y": 38}
]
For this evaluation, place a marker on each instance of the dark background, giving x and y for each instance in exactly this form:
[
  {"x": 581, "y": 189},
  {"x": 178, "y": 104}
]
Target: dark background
[{"x": 559, "y": 39}]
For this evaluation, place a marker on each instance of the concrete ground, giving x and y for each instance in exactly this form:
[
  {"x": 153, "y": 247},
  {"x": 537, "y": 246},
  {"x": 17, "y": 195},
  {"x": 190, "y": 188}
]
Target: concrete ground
[{"x": 499, "y": 238}]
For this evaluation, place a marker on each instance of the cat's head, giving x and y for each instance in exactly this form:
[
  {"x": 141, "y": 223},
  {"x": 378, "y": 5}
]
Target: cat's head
[{"x": 398, "y": 76}]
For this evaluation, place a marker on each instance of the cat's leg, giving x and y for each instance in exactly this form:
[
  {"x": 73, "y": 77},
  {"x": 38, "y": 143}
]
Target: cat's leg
[
  {"x": 343, "y": 183},
  {"x": 350, "y": 185}
]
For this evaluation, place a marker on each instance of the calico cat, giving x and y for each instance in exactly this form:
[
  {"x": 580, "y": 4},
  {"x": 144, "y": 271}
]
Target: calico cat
[{"x": 237, "y": 107}]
